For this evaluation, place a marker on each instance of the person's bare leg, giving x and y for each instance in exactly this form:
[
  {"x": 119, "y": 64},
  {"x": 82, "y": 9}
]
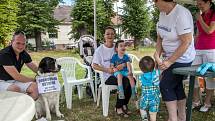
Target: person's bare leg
[
  {"x": 196, "y": 95},
  {"x": 14, "y": 88},
  {"x": 172, "y": 110},
  {"x": 120, "y": 87},
  {"x": 152, "y": 116},
  {"x": 33, "y": 91},
  {"x": 209, "y": 93},
  {"x": 181, "y": 110}
]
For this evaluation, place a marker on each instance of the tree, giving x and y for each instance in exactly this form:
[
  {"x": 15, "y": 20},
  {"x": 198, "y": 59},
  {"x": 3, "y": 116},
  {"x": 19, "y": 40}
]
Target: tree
[
  {"x": 36, "y": 16},
  {"x": 155, "y": 18},
  {"x": 136, "y": 20},
  {"x": 83, "y": 18},
  {"x": 8, "y": 20}
]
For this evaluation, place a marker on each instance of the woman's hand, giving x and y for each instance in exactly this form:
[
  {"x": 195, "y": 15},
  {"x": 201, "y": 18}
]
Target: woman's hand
[
  {"x": 199, "y": 17},
  {"x": 165, "y": 65},
  {"x": 109, "y": 70}
]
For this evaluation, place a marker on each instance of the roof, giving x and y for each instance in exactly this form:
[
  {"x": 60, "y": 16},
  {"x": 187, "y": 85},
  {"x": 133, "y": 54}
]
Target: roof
[{"x": 62, "y": 12}]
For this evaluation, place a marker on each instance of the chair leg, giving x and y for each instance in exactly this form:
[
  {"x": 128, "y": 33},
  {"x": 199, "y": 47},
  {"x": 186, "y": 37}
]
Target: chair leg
[
  {"x": 80, "y": 91},
  {"x": 68, "y": 94},
  {"x": 105, "y": 100},
  {"x": 93, "y": 91},
  {"x": 99, "y": 96}
]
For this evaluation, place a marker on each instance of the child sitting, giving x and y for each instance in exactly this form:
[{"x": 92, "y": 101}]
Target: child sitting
[
  {"x": 150, "y": 89},
  {"x": 121, "y": 58}
]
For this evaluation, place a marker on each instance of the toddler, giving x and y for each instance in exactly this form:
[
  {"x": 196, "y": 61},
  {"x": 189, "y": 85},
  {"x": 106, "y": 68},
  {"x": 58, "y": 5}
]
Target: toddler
[
  {"x": 120, "y": 57},
  {"x": 150, "y": 96}
]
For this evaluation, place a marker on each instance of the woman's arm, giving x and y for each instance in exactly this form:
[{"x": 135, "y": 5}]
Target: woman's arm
[
  {"x": 186, "y": 40},
  {"x": 103, "y": 69},
  {"x": 208, "y": 29}
]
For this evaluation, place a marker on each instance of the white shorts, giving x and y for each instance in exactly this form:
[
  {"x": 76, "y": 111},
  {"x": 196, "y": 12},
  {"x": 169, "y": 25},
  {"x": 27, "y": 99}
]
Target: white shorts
[
  {"x": 203, "y": 56},
  {"x": 5, "y": 84}
]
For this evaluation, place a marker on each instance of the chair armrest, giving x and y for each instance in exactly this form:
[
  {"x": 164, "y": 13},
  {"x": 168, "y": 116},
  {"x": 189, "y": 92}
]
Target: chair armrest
[{"x": 101, "y": 75}]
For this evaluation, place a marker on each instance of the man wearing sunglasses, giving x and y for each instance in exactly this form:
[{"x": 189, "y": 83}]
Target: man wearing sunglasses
[{"x": 12, "y": 59}]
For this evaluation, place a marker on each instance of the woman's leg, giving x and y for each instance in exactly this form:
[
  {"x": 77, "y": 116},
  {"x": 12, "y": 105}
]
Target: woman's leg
[
  {"x": 172, "y": 110},
  {"x": 209, "y": 93},
  {"x": 181, "y": 104}
]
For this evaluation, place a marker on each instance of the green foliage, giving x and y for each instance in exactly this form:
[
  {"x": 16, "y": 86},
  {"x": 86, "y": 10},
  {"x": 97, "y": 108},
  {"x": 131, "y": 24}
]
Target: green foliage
[
  {"x": 8, "y": 20},
  {"x": 155, "y": 17},
  {"x": 136, "y": 19},
  {"x": 83, "y": 17},
  {"x": 37, "y": 15}
]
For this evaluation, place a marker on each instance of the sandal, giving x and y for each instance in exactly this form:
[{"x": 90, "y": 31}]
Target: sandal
[
  {"x": 122, "y": 114},
  {"x": 196, "y": 104},
  {"x": 125, "y": 109},
  {"x": 205, "y": 108}
]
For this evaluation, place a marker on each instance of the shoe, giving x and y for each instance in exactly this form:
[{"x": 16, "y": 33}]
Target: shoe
[
  {"x": 126, "y": 110},
  {"x": 121, "y": 114},
  {"x": 205, "y": 108},
  {"x": 196, "y": 104}
]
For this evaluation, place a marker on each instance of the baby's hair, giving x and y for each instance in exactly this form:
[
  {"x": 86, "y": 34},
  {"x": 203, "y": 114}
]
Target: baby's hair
[
  {"x": 146, "y": 64},
  {"x": 118, "y": 42}
]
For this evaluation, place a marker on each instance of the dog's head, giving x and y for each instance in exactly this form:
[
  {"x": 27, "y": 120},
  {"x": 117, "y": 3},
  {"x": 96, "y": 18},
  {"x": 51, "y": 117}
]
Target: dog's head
[{"x": 48, "y": 64}]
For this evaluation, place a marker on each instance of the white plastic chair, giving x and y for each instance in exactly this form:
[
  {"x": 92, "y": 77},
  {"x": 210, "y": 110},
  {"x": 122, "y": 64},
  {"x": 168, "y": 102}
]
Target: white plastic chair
[
  {"x": 68, "y": 66},
  {"x": 105, "y": 90},
  {"x": 135, "y": 72}
]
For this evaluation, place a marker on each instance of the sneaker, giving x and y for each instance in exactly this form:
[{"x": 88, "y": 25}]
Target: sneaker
[
  {"x": 205, "y": 108},
  {"x": 196, "y": 104}
]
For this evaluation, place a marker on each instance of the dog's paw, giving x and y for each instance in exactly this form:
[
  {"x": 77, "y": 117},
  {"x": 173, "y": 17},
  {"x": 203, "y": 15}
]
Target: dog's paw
[
  {"x": 60, "y": 115},
  {"x": 48, "y": 117}
]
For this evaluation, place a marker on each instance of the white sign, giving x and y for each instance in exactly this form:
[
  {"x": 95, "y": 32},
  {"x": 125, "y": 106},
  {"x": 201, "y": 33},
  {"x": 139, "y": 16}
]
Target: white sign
[{"x": 48, "y": 83}]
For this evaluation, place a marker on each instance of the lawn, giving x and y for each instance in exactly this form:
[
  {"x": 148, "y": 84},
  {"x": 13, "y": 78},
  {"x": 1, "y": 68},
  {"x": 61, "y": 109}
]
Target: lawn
[{"x": 86, "y": 110}]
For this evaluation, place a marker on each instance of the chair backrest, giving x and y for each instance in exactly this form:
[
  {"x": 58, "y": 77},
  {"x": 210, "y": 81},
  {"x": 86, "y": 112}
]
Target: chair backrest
[
  {"x": 133, "y": 59},
  {"x": 68, "y": 65}
]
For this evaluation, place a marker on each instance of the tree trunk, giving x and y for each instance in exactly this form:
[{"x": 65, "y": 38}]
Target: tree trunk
[
  {"x": 136, "y": 43},
  {"x": 38, "y": 40}
]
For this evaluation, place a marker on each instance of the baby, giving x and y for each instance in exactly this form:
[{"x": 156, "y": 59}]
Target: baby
[{"x": 150, "y": 97}]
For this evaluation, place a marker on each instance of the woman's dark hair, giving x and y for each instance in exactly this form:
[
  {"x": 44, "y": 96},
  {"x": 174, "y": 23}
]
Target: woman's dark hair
[
  {"x": 117, "y": 43},
  {"x": 110, "y": 27},
  {"x": 212, "y": 8},
  {"x": 147, "y": 64}
]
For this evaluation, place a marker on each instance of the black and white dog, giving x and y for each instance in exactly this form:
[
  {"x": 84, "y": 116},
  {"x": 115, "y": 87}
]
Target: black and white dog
[{"x": 48, "y": 102}]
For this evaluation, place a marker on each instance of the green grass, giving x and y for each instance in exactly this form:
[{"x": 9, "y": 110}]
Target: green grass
[{"x": 86, "y": 110}]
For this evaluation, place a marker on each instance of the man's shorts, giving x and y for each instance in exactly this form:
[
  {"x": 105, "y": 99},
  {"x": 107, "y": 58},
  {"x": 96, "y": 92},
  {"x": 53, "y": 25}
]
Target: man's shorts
[
  {"x": 123, "y": 73},
  {"x": 203, "y": 56},
  {"x": 171, "y": 85},
  {"x": 5, "y": 84}
]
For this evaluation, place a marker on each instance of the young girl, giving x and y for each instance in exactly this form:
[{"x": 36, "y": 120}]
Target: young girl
[
  {"x": 119, "y": 58},
  {"x": 150, "y": 89}
]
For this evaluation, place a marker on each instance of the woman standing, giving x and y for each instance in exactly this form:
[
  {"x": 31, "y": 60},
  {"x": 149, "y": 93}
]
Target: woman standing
[
  {"x": 101, "y": 62},
  {"x": 205, "y": 48},
  {"x": 175, "y": 42}
]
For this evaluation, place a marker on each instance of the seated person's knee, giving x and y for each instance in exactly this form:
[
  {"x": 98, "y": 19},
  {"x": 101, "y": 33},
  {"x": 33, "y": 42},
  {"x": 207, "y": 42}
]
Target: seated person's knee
[
  {"x": 33, "y": 91},
  {"x": 14, "y": 88}
]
